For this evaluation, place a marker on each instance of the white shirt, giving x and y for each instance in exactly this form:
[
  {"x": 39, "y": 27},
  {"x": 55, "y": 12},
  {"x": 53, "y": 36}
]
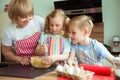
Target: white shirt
[{"x": 11, "y": 34}]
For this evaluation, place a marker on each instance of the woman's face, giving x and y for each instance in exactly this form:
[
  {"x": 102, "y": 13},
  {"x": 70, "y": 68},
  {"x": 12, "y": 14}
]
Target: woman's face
[
  {"x": 56, "y": 25},
  {"x": 76, "y": 35},
  {"x": 23, "y": 21}
]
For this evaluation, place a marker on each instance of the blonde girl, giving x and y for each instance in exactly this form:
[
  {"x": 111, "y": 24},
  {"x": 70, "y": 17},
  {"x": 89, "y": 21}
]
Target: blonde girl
[{"x": 55, "y": 38}]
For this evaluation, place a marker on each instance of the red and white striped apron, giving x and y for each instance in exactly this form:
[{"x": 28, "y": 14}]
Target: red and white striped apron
[{"x": 26, "y": 47}]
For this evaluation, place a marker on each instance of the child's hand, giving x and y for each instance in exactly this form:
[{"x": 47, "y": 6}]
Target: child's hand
[
  {"x": 24, "y": 61},
  {"x": 116, "y": 61},
  {"x": 71, "y": 63},
  {"x": 42, "y": 49},
  {"x": 117, "y": 64},
  {"x": 49, "y": 60}
]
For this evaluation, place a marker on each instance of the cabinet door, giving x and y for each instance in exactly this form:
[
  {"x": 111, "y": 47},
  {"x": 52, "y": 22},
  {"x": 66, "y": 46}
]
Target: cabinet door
[{"x": 98, "y": 32}]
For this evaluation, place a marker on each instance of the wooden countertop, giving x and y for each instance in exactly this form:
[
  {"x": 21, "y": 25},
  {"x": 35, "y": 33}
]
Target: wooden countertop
[{"x": 50, "y": 76}]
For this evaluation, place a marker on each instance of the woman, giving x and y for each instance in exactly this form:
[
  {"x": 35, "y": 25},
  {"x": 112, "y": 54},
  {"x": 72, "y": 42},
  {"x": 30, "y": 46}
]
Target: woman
[{"x": 20, "y": 37}]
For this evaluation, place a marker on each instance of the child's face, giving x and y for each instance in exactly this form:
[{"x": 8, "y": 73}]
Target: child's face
[
  {"x": 56, "y": 25},
  {"x": 23, "y": 21},
  {"x": 76, "y": 35}
]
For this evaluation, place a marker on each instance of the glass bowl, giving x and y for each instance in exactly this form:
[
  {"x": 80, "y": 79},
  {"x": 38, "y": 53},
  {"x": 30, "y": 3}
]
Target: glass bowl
[{"x": 37, "y": 62}]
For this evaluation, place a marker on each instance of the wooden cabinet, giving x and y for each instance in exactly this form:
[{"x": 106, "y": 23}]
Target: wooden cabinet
[{"x": 98, "y": 32}]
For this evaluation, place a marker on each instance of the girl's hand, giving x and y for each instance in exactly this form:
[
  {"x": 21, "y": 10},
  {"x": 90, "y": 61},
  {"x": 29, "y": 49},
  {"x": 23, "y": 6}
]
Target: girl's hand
[
  {"x": 45, "y": 46},
  {"x": 41, "y": 49},
  {"x": 24, "y": 61},
  {"x": 49, "y": 60}
]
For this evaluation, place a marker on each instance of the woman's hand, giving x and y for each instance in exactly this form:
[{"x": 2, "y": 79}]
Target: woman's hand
[
  {"x": 24, "y": 61},
  {"x": 10, "y": 55}
]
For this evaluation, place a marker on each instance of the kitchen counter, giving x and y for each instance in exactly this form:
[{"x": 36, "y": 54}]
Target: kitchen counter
[
  {"x": 50, "y": 76},
  {"x": 19, "y": 72}
]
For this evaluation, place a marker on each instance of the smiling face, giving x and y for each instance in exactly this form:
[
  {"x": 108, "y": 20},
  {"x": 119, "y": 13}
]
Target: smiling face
[
  {"x": 56, "y": 25},
  {"x": 23, "y": 21},
  {"x": 20, "y": 12},
  {"x": 76, "y": 35}
]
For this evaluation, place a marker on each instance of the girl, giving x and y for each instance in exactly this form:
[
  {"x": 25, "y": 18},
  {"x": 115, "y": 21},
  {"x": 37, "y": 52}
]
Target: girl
[
  {"x": 55, "y": 38},
  {"x": 21, "y": 35},
  {"x": 86, "y": 49}
]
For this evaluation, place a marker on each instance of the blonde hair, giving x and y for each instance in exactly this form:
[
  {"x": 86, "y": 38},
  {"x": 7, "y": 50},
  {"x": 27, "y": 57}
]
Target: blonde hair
[
  {"x": 19, "y": 8},
  {"x": 83, "y": 22},
  {"x": 53, "y": 14}
]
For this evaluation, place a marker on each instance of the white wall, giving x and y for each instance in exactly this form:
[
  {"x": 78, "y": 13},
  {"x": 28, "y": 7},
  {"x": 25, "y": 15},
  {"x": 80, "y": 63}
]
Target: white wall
[
  {"x": 44, "y": 7},
  {"x": 3, "y": 20},
  {"x": 111, "y": 18}
]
